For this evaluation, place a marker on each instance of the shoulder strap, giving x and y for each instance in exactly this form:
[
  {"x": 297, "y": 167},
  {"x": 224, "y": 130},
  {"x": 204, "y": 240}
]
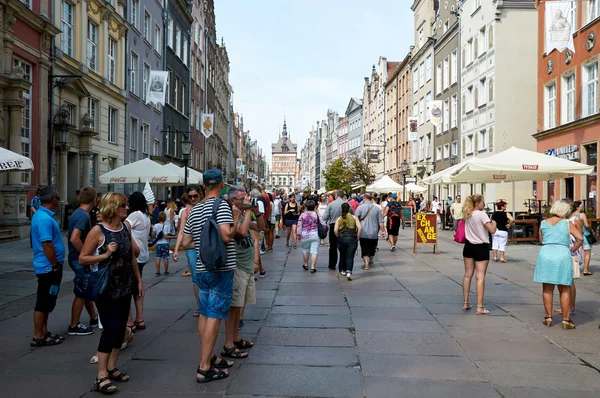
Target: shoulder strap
[
  {"x": 105, "y": 233},
  {"x": 368, "y": 211},
  {"x": 215, "y": 207}
]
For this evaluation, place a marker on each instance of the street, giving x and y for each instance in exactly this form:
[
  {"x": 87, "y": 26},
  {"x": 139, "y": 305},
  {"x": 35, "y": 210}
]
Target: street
[{"x": 396, "y": 330}]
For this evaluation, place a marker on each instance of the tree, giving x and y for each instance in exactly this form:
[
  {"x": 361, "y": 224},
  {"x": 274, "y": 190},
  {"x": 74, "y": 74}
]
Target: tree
[
  {"x": 360, "y": 170},
  {"x": 338, "y": 176}
]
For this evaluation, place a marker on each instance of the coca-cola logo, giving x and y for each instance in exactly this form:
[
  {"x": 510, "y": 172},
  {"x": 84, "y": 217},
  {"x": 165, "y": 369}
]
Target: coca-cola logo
[
  {"x": 530, "y": 167},
  {"x": 499, "y": 176},
  {"x": 117, "y": 180},
  {"x": 159, "y": 179}
]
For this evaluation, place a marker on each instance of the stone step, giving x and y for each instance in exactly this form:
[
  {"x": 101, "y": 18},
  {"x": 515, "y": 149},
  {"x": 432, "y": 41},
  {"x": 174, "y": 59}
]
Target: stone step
[
  {"x": 5, "y": 232},
  {"x": 8, "y": 237}
]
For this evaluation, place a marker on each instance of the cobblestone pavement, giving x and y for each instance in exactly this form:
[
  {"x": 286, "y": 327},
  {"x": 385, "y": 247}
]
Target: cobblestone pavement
[{"x": 394, "y": 331}]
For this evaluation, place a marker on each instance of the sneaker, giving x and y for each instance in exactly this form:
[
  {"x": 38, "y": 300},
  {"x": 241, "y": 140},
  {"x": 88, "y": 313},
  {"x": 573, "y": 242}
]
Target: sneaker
[
  {"x": 241, "y": 325},
  {"x": 343, "y": 273},
  {"x": 393, "y": 248},
  {"x": 166, "y": 272},
  {"x": 94, "y": 322},
  {"x": 263, "y": 274},
  {"x": 80, "y": 330},
  {"x": 349, "y": 275},
  {"x": 262, "y": 252},
  {"x": 365, "y": 267}
]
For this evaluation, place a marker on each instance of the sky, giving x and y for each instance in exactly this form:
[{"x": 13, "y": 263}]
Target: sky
[{"x": 299, "y": 58}]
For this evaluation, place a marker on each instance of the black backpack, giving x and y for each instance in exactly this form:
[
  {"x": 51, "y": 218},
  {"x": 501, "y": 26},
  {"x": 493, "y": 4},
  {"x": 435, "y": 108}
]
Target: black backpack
[
  {"x": 395, "y": 209},
  {"x": 213, "y": 252}
]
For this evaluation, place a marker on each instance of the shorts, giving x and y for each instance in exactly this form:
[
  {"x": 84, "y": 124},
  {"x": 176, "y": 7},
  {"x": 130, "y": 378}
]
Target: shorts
[
  {"x": 368, "y": 247},
  {"x": 162, "y": 251},
  {"x": 289, "y": 223},
  {"x": 47, "y": 290},
  {"x": 586, "y": 245},
  {"x": 478, "y": 252},
  {"x": 499, "y": 240},
  {"x": 311, "y": 245},
  {"x": 244, "y": 289},
  {"x": 455, "y": 223},
  {"x": 393, "y": 226},
  {"x": 215, "y": 292},
  {"x": 278, "y": 217},
  {"x": 192, "y": 260},
  {"x": 76, "y": 267}
]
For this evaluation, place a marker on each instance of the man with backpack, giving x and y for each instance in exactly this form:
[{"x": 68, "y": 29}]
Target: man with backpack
[
  {"x": 211, "y": 227},
  {"x": 372, "y": 222},
  {"x": 393, "y": 211}
]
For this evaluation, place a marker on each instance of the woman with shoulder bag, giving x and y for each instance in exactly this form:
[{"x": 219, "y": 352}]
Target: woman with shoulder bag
[
  {"x": 308, "y": 233},
  {"x": 110, "y": 245},
  {"x": 588, "y": 237}
]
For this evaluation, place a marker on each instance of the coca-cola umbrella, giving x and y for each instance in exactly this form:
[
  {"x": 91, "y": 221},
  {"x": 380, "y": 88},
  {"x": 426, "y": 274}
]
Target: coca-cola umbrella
[
  {"x": 10, "y": 161},
  {"x": 140, "y": 171}
]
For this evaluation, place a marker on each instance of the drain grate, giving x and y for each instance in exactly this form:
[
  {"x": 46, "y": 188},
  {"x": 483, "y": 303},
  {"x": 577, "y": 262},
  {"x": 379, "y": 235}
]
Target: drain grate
[{"x": 18, "y": 276}]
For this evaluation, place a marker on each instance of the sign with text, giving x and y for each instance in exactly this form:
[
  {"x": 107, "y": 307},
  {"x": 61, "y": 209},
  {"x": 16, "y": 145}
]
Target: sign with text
[
  {"x": 426, "y": 230},
  {"x": 407, "y": 215}
]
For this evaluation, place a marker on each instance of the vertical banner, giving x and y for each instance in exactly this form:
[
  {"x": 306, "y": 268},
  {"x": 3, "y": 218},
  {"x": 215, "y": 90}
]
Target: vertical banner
[
  {"x": 157, "y": 89},
  {"x": 435, "y": 113},
  {"x": 208, "y": 124},
  {"x": 238, "y": 163},
  {"x": 559, "y": 29},
  {"x": 413, "y": 128}
]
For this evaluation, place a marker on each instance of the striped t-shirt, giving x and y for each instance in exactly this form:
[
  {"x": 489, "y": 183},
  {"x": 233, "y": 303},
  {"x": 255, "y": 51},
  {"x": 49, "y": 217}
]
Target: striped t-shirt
[{"x": 193, "y": 226}]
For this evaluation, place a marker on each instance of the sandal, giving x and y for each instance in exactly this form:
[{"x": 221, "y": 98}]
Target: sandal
[
  {"x": 54, "y": 336},
  {"x": 141, "y": 325},
  {"x": 122, "y": 376},
  {"x": 106, "y": 389},
  {"x": 305, "y": 267},
  {"x": 221, "y": 363},
  {"x": 547, "y": 321},
  {"x": 233, "y": 352},
  {"x": 197, "y": 313},
  {"x": 466, "y": 306},
  {"x": 588, "y": 273},
  {"x": 503, "y": 260},
  {"x": 210, "y": 375},
  {"x": 313, "y": 270},
  {"x": 186, "y": 273},
  {"x": 568, "y": 324},
  {"x": 495, "y": 259},
  {"x": 45, "y": 341},
  {"x": 243, "y": 344},
  {"x": 481, "y": 310}
]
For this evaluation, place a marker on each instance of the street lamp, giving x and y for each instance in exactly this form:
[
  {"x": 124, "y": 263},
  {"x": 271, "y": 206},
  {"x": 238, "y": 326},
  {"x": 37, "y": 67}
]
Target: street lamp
[
  {"x": 186, "y": 150},
  {"x": 63, "y": 119},
  {"x": 404, "y": 172}
]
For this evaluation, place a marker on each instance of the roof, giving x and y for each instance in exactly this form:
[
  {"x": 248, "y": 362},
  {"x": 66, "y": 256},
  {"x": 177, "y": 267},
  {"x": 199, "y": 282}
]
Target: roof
[
  {"x": 284, "y": 144},
  {"x": 391, "y": 67}
]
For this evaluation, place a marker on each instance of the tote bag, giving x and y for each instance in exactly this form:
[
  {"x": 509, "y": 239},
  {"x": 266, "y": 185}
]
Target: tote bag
[{"x": 461, "y": 235}]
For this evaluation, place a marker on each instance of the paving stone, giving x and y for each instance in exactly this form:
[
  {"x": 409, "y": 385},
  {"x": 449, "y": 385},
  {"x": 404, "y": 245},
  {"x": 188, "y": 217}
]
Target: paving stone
[
  {"x": 309, "y": 356},
  {"x": 302, "y": 381},
  {"x": 470, "y": 318},
  {"x": 252, "y": 313},
  {"x": 309, "y": 321},
  {"x": 544, "y": 393},
  {"x": 443, "y": 299},
  {"x": 394, "y": 325},
  {"x": 310, "y": 300},
  {"x": 324, "y": 276},
  {"x": 407, "y": 343},
  {"x": 530, "y": 351},
  {"x": 385, "y": 387},
  {"x": 305, "y": 289},
  {"x": 307, "y": 337},
  {"x": 310, "y": 310},
  {"x": 375, "y": 301},
  {"x": 456, "y": 309},
  {"x": 372, "y": 285},
  {"x": 393, "y": 313}
]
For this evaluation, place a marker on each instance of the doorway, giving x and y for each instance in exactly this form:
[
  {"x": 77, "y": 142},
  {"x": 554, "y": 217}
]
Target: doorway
[{"x": 570, "y": 188}]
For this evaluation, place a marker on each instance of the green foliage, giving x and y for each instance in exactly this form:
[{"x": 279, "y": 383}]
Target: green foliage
[
  {"x": 338, "y": 176},
  {"x": 361, "y": 171}
]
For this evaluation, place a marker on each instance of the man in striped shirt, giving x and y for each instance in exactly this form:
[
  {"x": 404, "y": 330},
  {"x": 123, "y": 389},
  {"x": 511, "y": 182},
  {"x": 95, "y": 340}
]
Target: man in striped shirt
[{"x": 214, "y": 289}]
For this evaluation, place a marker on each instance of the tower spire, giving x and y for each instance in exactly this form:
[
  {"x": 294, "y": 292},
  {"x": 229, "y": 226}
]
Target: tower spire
[{"x": 284, "y": 132}]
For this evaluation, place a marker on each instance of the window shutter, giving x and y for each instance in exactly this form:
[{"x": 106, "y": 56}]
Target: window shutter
[
  {"x": 475, "y": 44},
  {"x": 464, "y": 104},
  {"x": 491, "y": 90},
  {"x": 476, "y": 97},
  {"x": 464, "y": 141},
  {"x": 491, "y": 36},
  {"x": 491, "y": 139},
  {"x": 475, "y": 140}
]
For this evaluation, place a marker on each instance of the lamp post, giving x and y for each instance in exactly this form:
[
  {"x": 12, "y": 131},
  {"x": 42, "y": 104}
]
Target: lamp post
[
  {"x": 404, "y": 172},
  {"x": 186, "y": 150}
]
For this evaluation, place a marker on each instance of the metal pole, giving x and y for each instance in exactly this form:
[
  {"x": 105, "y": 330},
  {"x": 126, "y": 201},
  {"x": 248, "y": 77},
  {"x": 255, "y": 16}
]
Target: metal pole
[
  {"x": 404, "y": 188},
  {"x": 185, "y": 178}
]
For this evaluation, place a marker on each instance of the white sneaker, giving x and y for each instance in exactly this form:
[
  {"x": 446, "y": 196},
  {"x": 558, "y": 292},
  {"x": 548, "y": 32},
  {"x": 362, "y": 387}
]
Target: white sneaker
[
  {"x": 349, "y": 275},
  {"x": 343, "y": 273},
  {"x": 393, "y": 248}
]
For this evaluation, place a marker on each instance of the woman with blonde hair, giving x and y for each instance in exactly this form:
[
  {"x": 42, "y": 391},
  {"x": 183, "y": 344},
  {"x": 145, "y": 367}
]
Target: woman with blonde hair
[
  {"x": 476, "y": 252},
  {"x": 109, "y": 244},
  {"x": 554, "y": 265}
]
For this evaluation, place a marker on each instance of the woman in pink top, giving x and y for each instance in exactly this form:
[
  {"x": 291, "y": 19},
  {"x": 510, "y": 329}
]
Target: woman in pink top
[
  {"x": 308, "y": 233},
  {"x": 476, "y": 252}
]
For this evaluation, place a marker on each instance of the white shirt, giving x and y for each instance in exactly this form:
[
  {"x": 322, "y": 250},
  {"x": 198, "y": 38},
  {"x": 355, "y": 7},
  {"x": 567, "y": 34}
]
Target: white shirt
[
  {"x": 140, "y": 230},
  {"x": 275, "y": 206}
]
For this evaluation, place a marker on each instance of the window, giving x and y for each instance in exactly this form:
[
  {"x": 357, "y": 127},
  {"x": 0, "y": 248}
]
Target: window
[
  {"x": 593, "y": 10},
  {"x": 446, "y": 107},
  {"x": 469, "y": 148},
  {"x": 185, "y": 51},
  {"x": 197, "y": 116},
  {"x": 155, "y": 147},
  {"x": 92, "y": 110},
  {"x": 170, "y": 32},
  {"x": 133, "y": 137},
  {"x": 422, "y": 74},
  {"x": 157, "y": 39},
  {"x": 550, "y": 106},
  {"x": 67, "y": 28},
  {"x": 475, "y": 97},
  {"x": 482, "y": 92},
  {"x": 446, "y": 25},
  {"x": 135, "y": 6},
  {"x": 470, "y": 56},
  {"x": 453, "y": 67},
  {"x": 27, "y": 3},
  {"x": 573, "y": 15},
  {"x": 25, "y": 117},
  {"x": 476, "y": 4},
  {"x": 183, "y": 90},
  {"x": 482, "y": 40},
  {"x": 446, "y": 151},
  {"x": 176, "y": 93},
  {"x": 438, "y": 79},
  {"x": 422, "y": 111},
  {"x": 145, "y": 137},
  {"x": 415, "y": 80},
  {"x": 590, "y": 89},
  {"x": 438, "y": 153},
  {"x": 421, "y": 148},
  {"x": 147, "y": 25},
  {"x": 92, "y": 41},
  {"x": 491, "y": 90},
  {"x": 454, "y": 148},
  {"x": 429, "y": 68},
  {"x": 72, "y": 113},
  {"x": 177, "y": 41},
  {"x": 482, "y": 141},
  {"x": 428, "y": 100},
  {"x": 133, "y": 75},
  {"x": 454, "y": 107},
  {"x": 428, "y": 146},
  {"x": 416, "y": 109},
  {"x": 112, "y": 63},
  {"x": 446, "y": 73},
  {"x": 568, "y": 98},
  {"x": 146, "y": 75},
  {"x": 111, "y": 163},
  {"x": 112, "y": 125}
]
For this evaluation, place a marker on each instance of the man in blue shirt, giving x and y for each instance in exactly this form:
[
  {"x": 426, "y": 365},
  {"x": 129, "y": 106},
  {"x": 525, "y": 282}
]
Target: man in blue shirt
[{"x": 48, "y": 258}]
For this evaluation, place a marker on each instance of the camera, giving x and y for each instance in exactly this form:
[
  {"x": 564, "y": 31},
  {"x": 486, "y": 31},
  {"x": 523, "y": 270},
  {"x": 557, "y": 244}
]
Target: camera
[{"x": 254, "y": 202}]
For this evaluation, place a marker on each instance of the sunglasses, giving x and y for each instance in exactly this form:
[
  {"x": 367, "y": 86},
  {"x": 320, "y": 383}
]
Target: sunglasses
[
  {"x": 123, "y": 205},
  {"x": 193, "y": 196}
]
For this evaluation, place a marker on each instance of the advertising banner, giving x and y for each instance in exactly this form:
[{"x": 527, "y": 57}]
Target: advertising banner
[
  {"x": 435, "y": 113},
  {"x": 426, "y": 230},
  {"x": 157, "y": 89},
  {"x": 208, "y": 124},
  {"x": 558, "y": 26},
  {"x": 413, "y": 128}
]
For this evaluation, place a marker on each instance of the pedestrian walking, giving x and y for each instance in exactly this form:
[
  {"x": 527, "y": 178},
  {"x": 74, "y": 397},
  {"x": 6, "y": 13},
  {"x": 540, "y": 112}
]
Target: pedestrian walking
[
  {"x": 503, "y": 222},
  {"x": 265, "y": 198},
  {"x": 456, "y": 209},
  {"x": 577, "y": 256},
  {"x": 393, "y": 212},
  {"x": 48, "y": 258},
  {"x": 194, "y": 195},
  {"x": 332, "y": 213},
  {"x": 277, "y": 213},
  {"x": 587, "y": 236},
  {"x": 161, "y": 232},
  {"x": 353, "y": 202},
  {"x": 215, "y": 289},
  {"x": 110, "y": 244},
  {"x": 308, "y": 233},
  {"x": 322, "y": 206},
  {"x": 554, "y": 266},
  {"x": 79, "y": 227},
  {"x": 292, "y": 213},
  {"x": 476, "y": 253},
  {"x": 371, "y": 222},
  {"x": 347, "y": 229},
  {"x": 436, "y": 207}
]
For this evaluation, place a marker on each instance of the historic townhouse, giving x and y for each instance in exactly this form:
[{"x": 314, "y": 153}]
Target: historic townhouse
[
  {"x": 198, "y": 79},
  {"x": 354, "y": 112},
  {"x": 26, "y": 34},
  {"x": 497, "y": 91},
  {"x": 283, "y": 163},
  {"x": 89, "y": 97},
  {"x": 342, "y": 137},
  {"x": 568, "y": 122}
]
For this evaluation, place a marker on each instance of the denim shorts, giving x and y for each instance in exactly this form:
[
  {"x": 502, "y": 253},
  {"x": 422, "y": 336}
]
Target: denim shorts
[
  {"x": 76, "y": 267},
  {"x": 311, "y": 245},
  {"x": 192, "y": 258},
  {"x": 162, "y": 251},
  {"x": 215, "y": 292}
]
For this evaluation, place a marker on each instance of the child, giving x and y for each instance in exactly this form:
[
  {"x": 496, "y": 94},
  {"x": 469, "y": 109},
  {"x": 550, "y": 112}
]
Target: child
[{"x": 162, "y": 245}]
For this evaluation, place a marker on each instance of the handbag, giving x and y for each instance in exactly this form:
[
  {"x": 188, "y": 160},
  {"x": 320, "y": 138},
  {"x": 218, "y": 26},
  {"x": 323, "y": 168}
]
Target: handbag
[
  {"x": 91, "y": 285},
  {"x": 591, "y": 238},
  {"x": 461, "y": 235},
  {"x": 576, "y": 270},
  {"x": 321, "y": 229}
]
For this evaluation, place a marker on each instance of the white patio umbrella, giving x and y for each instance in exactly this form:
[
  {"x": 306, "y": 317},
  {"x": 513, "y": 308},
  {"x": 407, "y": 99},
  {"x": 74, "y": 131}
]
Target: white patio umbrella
[
  {"x": 412, "y": 187},
  {"x": 444, "y": 176},
  {"x": 385, "y": 184},
  {"x": 11, "y": 161},
  {"x": 194, "y": 177},
  {"x": 140, "y": 171}
]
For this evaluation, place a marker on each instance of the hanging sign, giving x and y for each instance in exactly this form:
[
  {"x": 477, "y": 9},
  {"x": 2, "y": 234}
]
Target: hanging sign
[
  {"x": 435, "y": 113},
  {"x": 157, "y": 89},
  {"x": 208, "y": 124},
  {"x": 413, "y": 128},
  {"x": 238, "y": 163},
  {"x": 559, "y": 31},
  {"x": 425, "y": 230}
]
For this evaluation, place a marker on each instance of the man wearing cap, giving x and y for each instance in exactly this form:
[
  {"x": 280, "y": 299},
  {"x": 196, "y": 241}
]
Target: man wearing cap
[
  {"x": 48, "y": 258},
  {"x": 215, "y": 290}
]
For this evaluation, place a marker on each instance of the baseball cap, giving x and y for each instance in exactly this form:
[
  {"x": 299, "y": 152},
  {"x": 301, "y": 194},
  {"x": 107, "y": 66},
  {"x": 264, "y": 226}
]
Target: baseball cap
[{"x": 212, "y": 177}]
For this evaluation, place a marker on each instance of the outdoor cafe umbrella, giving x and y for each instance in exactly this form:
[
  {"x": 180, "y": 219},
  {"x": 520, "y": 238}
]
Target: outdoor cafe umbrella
[
  {"x": 10, "y": 161},
  {"x": 412, "y": 187},
  {"x": 385, "y": 184},
  {"x": 194, "y": 177},
  {"x": 140, "y": 171}
]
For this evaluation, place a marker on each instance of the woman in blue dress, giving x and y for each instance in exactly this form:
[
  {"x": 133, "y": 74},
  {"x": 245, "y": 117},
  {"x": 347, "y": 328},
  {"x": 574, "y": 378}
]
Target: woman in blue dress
[{"x": 554, "y": 265}]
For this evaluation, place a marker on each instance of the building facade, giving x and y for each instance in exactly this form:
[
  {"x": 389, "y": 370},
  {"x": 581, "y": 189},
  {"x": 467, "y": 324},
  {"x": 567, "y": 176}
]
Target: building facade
[
  {"x": 496, "y": 94},
  {"x": 568, "y": 121},
  {"x": 198, "y": 82},
  {"x": 354, "y": 113},
  {"x": 342, "y": 137},
  {"x": 283, "y": 171}
]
